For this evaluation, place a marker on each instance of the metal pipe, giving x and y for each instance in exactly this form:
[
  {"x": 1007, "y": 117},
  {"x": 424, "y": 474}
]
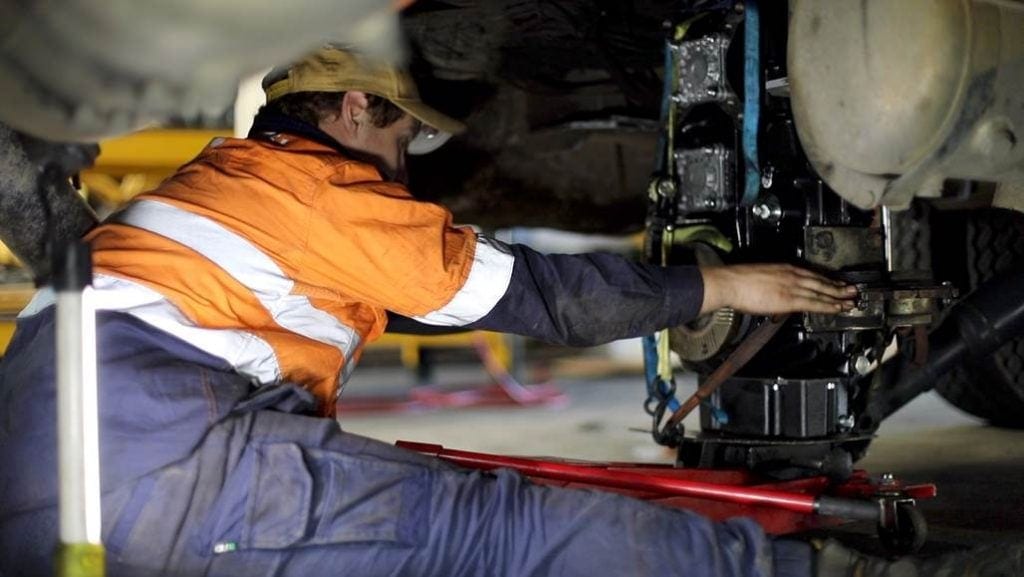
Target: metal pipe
[
  {"x": 887, "y": 235},
  {"x": 861, "y": 510},
  {"x": 76, "y": 394},
  {"x": 81, "y": 551}
]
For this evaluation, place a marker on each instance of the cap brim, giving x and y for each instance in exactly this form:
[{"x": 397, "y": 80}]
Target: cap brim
[{"x": 429, "y": 116}]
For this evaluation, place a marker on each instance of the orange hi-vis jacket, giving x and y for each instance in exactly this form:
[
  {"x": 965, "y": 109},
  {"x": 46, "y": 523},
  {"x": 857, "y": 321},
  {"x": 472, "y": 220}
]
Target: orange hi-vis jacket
[{"x": 283, "y": 257}]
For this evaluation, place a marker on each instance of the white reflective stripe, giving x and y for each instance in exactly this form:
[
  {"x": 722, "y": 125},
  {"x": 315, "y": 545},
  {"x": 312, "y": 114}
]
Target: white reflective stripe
[
  {"x": 346, "y": 374},
  {"x": 488, "y": 281},
  {"x": 43, "y": 298},
  {"x": 247, "y": 353},
  {"x": 248, "y": 265}
]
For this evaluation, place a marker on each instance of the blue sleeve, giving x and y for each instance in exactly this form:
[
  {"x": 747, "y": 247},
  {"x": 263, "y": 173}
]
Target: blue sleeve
[
  {"x": 403, "y": 325},
  {"x": 590, "y": 299}
]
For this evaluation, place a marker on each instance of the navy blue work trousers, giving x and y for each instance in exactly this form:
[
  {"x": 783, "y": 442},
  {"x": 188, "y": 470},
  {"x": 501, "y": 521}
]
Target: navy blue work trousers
[{"x": 204, "y": 475}]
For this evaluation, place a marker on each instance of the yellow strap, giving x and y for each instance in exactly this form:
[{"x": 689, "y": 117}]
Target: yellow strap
[
  {"x": 677, "y": 35},
  {"x": 704, "y": 233},
  {"x": 664, "y": 350}
]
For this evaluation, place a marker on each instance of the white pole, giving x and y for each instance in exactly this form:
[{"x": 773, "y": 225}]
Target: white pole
[
  {"x": 80, "y": 553},
  {"x": 78, "y": 438}
]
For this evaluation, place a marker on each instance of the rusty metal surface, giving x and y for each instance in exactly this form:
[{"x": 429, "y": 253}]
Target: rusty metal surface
[
  {"x": 870, "y": 315},
  {"x": 843, "y": 247},
  {"x": 899, "y": 305}
]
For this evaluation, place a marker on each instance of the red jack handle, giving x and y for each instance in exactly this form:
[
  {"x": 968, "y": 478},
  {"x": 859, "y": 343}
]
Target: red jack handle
[{"x": 666, "y": 486}]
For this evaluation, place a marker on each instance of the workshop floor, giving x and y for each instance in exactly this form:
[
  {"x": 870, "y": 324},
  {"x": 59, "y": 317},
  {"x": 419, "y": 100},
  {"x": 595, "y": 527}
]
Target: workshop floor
[{"x": 979, "y": 469}]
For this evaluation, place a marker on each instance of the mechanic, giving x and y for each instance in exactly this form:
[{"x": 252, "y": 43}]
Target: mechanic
[{"x": 234, "y": 301}]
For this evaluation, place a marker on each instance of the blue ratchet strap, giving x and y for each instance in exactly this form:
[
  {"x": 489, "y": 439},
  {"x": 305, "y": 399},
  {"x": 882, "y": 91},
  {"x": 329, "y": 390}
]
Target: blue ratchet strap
[
  {"x": 717, "y": 413},
  {"x": 751, "y": 101},
  {"x": 656, "y": 388}
]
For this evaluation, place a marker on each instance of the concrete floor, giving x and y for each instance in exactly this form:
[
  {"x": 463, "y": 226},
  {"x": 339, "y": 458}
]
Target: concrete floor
[{"x": 979, "y": 469}]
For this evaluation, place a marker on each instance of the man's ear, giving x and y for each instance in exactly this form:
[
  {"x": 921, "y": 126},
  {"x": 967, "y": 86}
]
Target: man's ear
[{"x": 354, "y": 109}]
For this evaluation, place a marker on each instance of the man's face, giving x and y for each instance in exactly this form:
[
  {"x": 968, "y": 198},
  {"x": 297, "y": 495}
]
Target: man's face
[{"x": 386, "y": 146}]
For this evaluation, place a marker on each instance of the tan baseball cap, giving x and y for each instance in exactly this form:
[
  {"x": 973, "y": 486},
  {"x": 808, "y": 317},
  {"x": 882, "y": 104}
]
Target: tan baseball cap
[{"x": 333, "y": 69}]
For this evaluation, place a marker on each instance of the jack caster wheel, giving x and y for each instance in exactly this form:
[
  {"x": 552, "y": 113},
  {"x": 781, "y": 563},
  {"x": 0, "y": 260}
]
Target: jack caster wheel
[{"x": 905, "y": 529}]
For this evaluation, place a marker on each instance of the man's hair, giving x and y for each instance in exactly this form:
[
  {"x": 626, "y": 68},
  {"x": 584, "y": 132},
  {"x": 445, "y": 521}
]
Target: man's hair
[{"x": 313, "y": 107}]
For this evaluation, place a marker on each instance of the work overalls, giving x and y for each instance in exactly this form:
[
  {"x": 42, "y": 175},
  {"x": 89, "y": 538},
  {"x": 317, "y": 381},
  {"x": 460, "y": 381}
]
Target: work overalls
[{"x": 203, "y": 475}]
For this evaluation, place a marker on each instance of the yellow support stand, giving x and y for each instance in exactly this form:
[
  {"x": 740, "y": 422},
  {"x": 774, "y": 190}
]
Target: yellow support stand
[
  {"x": 13, "y": 298},
  {"x": 138, "y": 162},
  {"x": 409, "y": 345},
  {"x": 152, "y": 151}
]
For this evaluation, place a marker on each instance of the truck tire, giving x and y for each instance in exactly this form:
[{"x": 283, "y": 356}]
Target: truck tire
[{"x": 975, "y": 245}]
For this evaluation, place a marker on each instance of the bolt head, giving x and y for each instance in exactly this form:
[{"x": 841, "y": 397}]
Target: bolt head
[
  {"x": 666, "y": 187},
  {"x": 862, "y": 365}
]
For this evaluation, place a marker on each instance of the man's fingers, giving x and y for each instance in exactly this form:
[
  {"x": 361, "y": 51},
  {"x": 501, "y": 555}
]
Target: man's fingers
[
  {"x": 827, "y": 287},
  {"x": 805, "y": 273},
  {"x": 778, "y": 288},
  {"x": 830, "y": 303},
  {"x": 817, "y": 304}
]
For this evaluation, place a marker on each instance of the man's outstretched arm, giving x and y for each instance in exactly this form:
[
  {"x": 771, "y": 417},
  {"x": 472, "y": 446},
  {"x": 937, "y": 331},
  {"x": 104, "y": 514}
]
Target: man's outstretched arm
[
  {"x": 406, "y": 256},
  {"x": 588, "y": 299}
]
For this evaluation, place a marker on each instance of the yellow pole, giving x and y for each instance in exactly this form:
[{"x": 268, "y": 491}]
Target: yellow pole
[{"x": 81, "y": 560}]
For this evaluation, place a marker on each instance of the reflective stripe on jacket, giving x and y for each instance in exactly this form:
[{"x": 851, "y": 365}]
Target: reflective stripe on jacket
[{"x": 283, "y": 256}]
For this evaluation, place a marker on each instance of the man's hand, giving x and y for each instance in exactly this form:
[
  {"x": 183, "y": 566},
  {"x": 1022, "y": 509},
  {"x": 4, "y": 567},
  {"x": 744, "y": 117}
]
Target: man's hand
[{"x": 773, "y": 289}]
